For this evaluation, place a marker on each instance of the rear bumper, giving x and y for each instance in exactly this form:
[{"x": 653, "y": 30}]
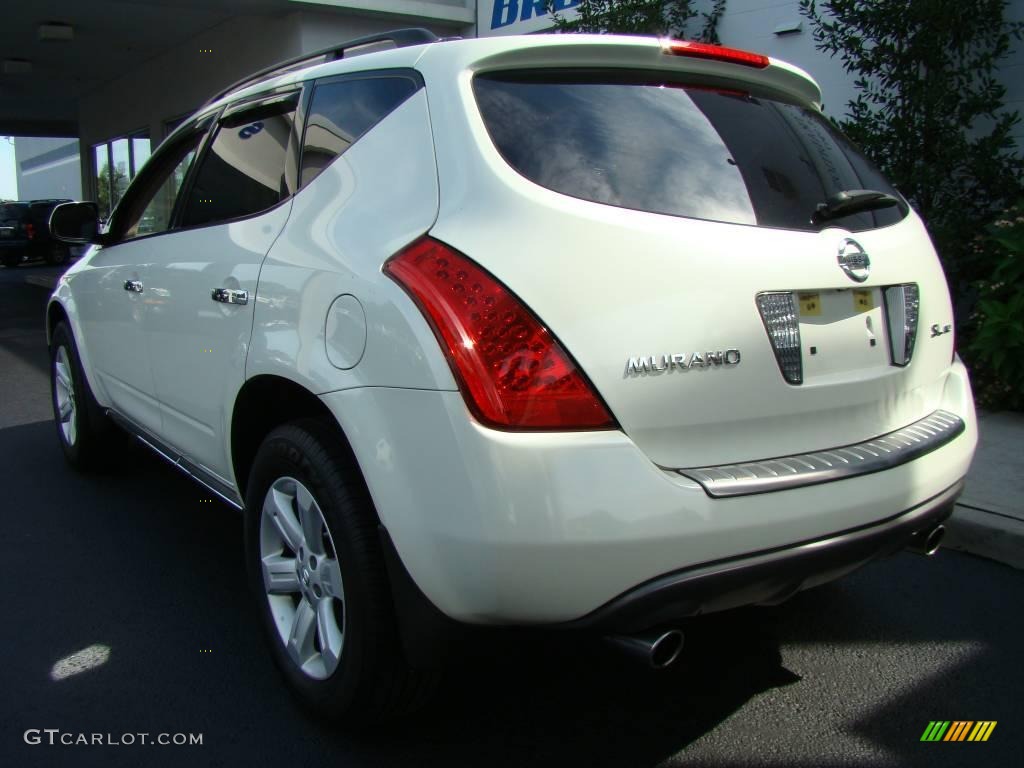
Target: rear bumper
[
  {"x": 765, "y": 577},
  {"x": 547, "y": 529}
]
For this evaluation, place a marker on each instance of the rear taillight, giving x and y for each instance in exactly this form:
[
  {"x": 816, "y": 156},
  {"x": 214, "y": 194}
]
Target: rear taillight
[
  {"x": 901, "y": 310},
  {"x": 30, "y": 230},
  {"x": 512, "y": 371},
  {"x": 716, "y": 53},
  {"x": 782, "y": 322}
]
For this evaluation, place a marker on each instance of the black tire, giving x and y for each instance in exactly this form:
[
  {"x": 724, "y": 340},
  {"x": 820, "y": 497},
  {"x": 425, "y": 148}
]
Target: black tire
[
  {"x": 90, "y": 445},
  {"x": 57, "y": 254},
  {"x": 372, "y": 681},
  {"x": 11, "y": 261}
]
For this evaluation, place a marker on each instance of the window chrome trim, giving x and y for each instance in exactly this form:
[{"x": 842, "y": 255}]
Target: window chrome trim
[{"x": 786, "y": 472}]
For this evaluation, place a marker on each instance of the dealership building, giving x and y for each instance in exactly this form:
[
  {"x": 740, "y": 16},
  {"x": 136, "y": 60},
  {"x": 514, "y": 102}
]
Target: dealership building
[{"x": 99, "y": 83}]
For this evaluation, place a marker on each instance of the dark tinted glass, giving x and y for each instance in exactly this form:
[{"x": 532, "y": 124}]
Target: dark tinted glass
[
  {"x": 13, "y": 211},
  {"x": 148, "y": 205},
  {"x": 343, "y": 111},
  {"x": 244, "y": 171},
  {"x": 665, "y": 147}
]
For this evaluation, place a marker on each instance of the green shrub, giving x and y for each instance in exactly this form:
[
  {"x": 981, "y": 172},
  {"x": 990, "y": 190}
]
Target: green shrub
[{"x": 994, "y": 348}]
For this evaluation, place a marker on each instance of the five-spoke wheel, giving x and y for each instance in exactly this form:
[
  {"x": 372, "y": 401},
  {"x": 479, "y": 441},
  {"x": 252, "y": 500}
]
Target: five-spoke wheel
[
  {"x": 302, "y": 577},
  {"x": 67, "y": 415}
]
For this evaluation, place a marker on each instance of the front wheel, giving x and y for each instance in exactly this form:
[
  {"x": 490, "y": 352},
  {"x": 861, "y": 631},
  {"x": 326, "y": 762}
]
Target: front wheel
[
  {"x": 82, "y": 428},
  {"x": 318, "y": 574}
]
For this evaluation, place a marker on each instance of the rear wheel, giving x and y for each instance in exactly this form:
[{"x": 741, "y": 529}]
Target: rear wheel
[
  {"x": 57, "y": 254},
  {"x": 318, "y": 574},
  {"x": 10, "y": 261},
  {"x": 83, "y": 429}
]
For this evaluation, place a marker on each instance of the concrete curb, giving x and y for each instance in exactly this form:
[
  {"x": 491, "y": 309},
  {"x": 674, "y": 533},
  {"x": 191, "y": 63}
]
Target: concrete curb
[
  {"x": 987, "y": 534},
  {"x": 989, "y": 519}
]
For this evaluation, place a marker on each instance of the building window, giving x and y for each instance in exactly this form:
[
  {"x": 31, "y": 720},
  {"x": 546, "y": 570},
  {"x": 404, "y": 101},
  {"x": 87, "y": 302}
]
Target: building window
[{"x": 115, "y": 163}]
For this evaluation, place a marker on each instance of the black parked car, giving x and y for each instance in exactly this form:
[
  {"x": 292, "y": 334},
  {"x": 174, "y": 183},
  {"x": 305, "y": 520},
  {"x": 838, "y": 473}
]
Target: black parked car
[{"x": 25, "y": 233}]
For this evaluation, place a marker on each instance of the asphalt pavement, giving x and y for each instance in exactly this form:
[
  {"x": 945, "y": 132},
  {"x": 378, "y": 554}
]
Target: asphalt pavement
[{"x": 139, "y": 574}]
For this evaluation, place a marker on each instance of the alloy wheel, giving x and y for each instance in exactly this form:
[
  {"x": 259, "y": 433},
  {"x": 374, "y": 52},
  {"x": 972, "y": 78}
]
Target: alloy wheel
[
  {"x": 67, "y": 410},
  {"x": 302, "y": 578}
]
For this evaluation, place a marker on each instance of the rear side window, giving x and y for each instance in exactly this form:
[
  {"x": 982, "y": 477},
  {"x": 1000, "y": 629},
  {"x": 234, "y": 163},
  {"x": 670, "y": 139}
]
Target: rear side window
[
  {"x": 342, "y": 111},
  {"x": 643, "y": 142},
  {"x": 244, "y": 171}
]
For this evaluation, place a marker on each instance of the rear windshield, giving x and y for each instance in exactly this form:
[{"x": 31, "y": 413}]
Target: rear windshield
[
  {"x": 12, "y": 211},
  {"x": 643, "y": 142}
]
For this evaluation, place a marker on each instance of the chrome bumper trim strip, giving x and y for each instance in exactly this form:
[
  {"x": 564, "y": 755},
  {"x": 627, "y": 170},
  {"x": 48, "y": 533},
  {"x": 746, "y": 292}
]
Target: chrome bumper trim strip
[{"x": 874, "y": 455}]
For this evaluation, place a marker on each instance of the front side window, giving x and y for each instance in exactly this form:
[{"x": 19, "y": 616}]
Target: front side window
[
  {"x": 245, "y": 170},
  {"x": 148, "y": 206},
  {"x": 344, "y": 110},
  {"x": 651, "y": 143}
]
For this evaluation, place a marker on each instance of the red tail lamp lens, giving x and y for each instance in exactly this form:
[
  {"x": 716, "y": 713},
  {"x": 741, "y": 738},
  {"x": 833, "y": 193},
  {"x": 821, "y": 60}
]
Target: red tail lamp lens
[
  {"x": 513, "y": 372},
  {"x": 30, "y": 230},
  {"x": 716, "y": 53}
]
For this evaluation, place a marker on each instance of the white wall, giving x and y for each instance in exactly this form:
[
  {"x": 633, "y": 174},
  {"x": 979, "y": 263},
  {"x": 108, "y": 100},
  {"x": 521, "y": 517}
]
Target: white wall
[{"x": 47, "y": 168}]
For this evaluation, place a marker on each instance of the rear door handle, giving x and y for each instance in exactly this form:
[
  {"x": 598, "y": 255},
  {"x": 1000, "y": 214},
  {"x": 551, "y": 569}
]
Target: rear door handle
[
  {"x": 135, "y": 286},
  {"x": 230, "y": 296}
]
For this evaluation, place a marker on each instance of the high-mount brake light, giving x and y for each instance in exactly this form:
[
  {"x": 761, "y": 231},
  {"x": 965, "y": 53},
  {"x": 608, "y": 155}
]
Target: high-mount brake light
[
  {"x": 715, "y": 53},
  {"x": 513, "y": 372}
]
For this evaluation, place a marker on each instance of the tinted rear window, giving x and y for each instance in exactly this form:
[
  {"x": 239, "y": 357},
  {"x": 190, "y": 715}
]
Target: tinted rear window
[
  {"x": 684, "y": 150},
  {"x": 12, "y": 211}
]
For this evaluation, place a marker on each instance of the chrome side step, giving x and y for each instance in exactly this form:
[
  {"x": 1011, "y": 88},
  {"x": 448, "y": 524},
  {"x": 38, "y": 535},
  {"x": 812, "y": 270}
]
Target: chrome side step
[
  {"x": 213, "y": 484},
  {"x": 786, "y": 472}
]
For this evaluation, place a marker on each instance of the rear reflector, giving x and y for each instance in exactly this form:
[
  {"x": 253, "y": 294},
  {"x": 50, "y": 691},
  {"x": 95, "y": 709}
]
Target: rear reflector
[
  {"x": 901, "y": 310},
  {"x": 781, "y": 320},
  {"x": 716, "y": 53},
  {"x": 512, "y": 371}
]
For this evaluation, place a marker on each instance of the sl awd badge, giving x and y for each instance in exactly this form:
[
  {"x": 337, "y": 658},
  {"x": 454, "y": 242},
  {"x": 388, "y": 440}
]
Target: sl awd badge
[{"x": 655, "y": 364}]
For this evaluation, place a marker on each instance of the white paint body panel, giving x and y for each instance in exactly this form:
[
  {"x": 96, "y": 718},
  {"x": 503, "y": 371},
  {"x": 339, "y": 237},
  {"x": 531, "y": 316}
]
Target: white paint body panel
[
  {"x": 501, "y": 527},
  {"x": 200, "y": 345}
]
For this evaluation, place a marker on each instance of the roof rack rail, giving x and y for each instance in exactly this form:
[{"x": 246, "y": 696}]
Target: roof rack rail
[{"x": 402, "y": 38}]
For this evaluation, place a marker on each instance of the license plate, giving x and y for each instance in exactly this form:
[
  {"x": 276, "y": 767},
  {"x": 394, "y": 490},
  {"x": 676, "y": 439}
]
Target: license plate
[
  {"x": 863, "y": 301},
  {"x": 810, "y": 304}
]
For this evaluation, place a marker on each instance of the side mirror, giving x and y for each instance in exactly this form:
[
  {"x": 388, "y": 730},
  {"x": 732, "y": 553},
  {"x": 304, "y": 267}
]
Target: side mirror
[{"x": 75, "y": 223}]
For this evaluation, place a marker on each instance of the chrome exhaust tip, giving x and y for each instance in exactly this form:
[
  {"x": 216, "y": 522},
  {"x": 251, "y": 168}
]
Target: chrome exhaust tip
[
  {"x": 657, "y": 649},
  {"x": 927, "y": 542}
]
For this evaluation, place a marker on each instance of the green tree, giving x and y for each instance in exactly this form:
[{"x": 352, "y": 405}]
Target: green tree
[
  {"x": 669, "y": 18},
  {"x": 104, "y": 187},
  {"x": 929, "y": 111},
  {"x": 996, "y": 348}
]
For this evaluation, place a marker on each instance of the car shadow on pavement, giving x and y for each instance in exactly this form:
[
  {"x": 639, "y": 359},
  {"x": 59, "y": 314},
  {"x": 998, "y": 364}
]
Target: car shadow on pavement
[
  {"x": 555, "y": 699},
  {"x": 142, "y": 562}
]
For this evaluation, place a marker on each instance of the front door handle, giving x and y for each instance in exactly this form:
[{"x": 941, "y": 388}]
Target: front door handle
[
  {"x": 135, "y": 286},
  {"x": 230, "y": 296}
]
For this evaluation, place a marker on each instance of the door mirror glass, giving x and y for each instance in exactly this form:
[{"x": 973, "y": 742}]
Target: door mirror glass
[{"x": 75, "y": 222}]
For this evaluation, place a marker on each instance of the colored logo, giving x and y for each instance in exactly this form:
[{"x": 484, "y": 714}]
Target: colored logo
[{"x": 958, "y": 730}]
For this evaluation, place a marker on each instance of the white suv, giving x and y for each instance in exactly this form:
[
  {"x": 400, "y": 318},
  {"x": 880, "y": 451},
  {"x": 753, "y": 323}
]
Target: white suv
[{"x": 579, "y": 332}]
